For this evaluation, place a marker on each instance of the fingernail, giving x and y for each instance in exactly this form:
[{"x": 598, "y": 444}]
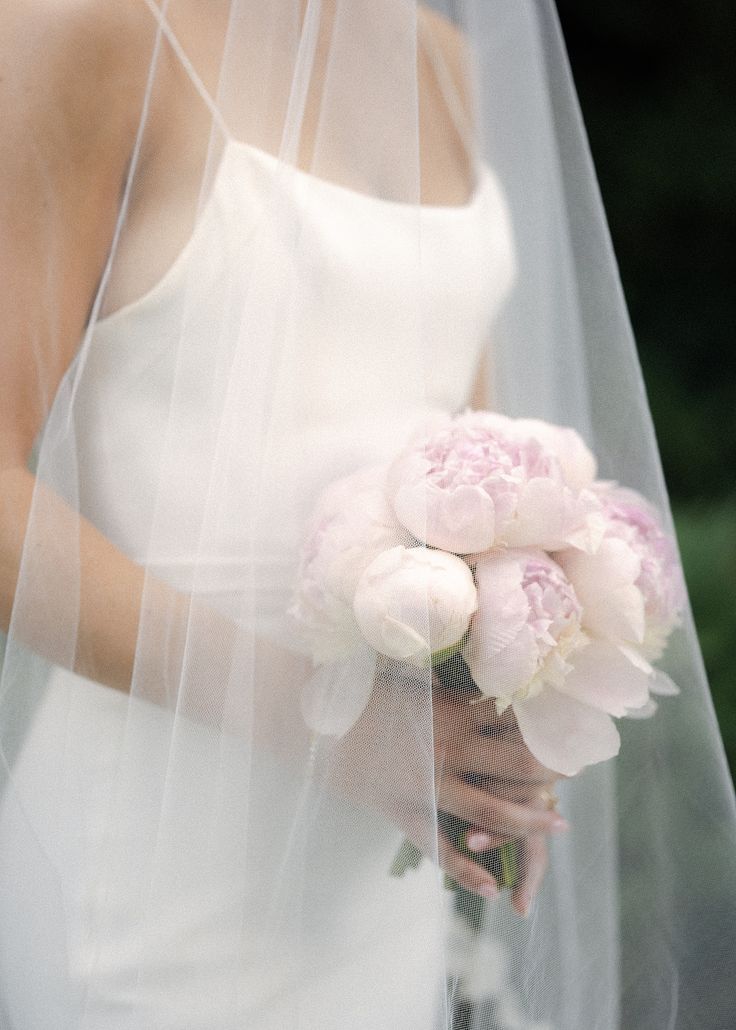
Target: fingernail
[
  {"x": 478, "y": 841},
  {"x": 525, "y": 906},
  {"x": 559, "y": 825},
  {"x": 488, "y": 890}
]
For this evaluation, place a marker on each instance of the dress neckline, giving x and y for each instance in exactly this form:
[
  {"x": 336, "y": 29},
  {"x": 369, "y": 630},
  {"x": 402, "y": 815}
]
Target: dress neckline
[
  {"x": 274, "y": 164},
  {"x": 329, "y": 185}
]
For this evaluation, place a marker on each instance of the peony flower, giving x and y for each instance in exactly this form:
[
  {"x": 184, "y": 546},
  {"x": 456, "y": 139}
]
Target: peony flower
[
  {"x": 470, "y": 484},
  {"x": 632, "y": 588},
  {"x": 577, "y": 461},
  {"x": 412, "y": 602},
  {"x": 352, "y": 523},
  {"x": 527, "y": 649}
]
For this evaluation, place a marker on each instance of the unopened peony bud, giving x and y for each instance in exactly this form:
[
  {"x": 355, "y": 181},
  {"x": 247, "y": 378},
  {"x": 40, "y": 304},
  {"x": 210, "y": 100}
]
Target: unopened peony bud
[{"x": 413, "y": 601}]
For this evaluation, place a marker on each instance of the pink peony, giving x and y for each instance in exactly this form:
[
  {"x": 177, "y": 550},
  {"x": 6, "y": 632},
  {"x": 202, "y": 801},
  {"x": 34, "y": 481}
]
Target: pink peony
[
  {"x": 352, "y": 523},
  {"x": 577, "y": 461},
  {"x": 632, "y": 587},
  {"x": 469, "y": 485},
  {"x": 527, "y": 649}
]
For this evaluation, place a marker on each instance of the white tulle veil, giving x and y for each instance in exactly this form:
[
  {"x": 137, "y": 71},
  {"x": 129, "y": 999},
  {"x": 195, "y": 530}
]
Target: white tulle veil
[{"x": 204, "y": 471}]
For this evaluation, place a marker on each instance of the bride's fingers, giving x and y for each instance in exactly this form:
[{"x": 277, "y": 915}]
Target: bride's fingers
[
  {"x": 464, "y": 870},
  {"x": 478, "y": 840},
  {"x": 504, "y": 757},
  {"x": 533, "y": 865},
  {"x": 521, "y": 792},
  {"x": 495, "y": 815},
  {"x": 533, "y": 793}
]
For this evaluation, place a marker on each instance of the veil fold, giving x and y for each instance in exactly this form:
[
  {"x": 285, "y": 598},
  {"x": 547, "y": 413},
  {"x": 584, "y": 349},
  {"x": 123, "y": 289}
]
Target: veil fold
[{"x": 339, "y": 223}]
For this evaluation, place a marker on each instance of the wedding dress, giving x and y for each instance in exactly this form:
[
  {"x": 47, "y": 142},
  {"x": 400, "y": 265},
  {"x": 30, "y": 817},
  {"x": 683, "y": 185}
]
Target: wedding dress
[
  {"x": 116, "y": 924},
  {"x": 209, "y": 848}
]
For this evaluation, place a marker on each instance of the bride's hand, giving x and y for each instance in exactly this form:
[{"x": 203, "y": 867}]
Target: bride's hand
[
  {"x": 482, "y": 772},
  {"x": 485, "y": 775}
]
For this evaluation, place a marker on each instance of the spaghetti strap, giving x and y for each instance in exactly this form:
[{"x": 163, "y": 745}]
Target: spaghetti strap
[
  {"x": 450, "y": 93},
  {"x": 189, "y": 68},
  {"x": 447, "y": 86}
]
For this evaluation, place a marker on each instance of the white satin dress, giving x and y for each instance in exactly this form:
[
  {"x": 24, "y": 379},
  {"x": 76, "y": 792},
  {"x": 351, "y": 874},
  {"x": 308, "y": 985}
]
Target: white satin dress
[{"x": 95, "y": 933}]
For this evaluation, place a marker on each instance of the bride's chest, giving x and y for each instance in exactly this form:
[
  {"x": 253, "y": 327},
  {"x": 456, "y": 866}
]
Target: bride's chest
[{"x": 301, "y": 331}]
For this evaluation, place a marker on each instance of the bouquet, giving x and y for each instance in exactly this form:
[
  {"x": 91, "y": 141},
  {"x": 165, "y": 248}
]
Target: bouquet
[{"x": 488, "y": 550}]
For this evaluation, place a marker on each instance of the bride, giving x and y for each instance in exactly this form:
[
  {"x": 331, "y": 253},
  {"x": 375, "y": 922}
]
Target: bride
[{"x": 246, "y": 250}]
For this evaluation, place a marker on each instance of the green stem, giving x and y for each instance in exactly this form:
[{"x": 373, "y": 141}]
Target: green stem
[
  {"x": 509, "y": 866},
  {"x": 407, "y": 857}
]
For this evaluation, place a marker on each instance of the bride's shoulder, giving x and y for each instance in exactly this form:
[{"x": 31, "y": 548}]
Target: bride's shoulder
[
  {"x": 64, "y": 23},
  {"x": 67, "y": 60}
]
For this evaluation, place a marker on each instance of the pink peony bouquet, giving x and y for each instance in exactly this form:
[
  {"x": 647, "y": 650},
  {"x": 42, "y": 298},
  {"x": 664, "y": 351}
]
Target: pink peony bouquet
[{"x": 490, "y": 538}]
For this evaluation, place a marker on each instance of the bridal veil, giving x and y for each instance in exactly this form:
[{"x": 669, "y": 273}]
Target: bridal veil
[{"x": 214, "y": 788}]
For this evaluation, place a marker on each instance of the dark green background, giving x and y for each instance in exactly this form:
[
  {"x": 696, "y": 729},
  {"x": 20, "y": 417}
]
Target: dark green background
[{"x": 657, "y": 87}]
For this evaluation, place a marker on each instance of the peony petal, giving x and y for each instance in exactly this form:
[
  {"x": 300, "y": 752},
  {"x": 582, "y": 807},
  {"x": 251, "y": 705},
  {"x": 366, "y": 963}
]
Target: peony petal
[
  {"x": 637, "y": 659},
  {"x": 589, "y": 535},
  {"x": 660, "y": 683},
  {"x": 626, "y": 615},
  {"x": 565, "y": 735},
  {"x": 576, "y": 460},
  {"x": 461, "y": 520},
  {"x": 410, "y": 505},
  {"x": 507, "y": 671},
  {"x": 335, "y": 695},
  {"x": 502, "y": 605},
  {"x": 539, "y": 520},
  {"x": 500, "y": 649},
  {"x": 515, "y": 666},
  {"x": 604, "y": 678},
  {"x": 645, "y": 712},
  {"x": 578, "y": 463},
  {"x": 399, "y": 640},
  {"x": 613, "y": 607}
]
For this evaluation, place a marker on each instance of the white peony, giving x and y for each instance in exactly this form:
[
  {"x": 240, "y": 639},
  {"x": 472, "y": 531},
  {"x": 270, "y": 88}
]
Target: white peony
[
  {"x": 578, "y": 463},
  {"x": 632, "y": 588},
  {"x": 412, "y": 602},
  {"x": 527, "y": 648}
]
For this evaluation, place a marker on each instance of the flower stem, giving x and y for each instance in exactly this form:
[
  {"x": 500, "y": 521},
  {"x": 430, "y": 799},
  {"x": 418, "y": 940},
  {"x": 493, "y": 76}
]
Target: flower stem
[
  {"x": 509, "y": 865},
  {"x": 501, "y": 862},
  {"x": 407, "y": 857}
]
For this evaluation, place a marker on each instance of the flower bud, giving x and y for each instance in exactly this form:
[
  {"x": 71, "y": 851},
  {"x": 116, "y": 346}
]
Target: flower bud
[{"x": 413, "y": 601}]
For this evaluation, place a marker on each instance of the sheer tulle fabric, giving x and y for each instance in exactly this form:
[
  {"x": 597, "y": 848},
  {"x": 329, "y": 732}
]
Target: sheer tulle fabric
[{"x": 195, "y": 852}]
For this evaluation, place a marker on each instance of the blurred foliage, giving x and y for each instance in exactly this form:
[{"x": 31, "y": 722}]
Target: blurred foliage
[
  {"x": 657, "y": 86},
  {"x": 707, "y": 535}
]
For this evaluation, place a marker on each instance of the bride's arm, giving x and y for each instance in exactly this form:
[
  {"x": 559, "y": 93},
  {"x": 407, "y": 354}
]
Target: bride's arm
[{"x": 70, "y": 99}]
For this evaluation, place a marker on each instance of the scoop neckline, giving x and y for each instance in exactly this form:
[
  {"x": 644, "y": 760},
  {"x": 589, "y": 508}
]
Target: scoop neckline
[
  {"x": 234, "y": 145},
  {"x": 331, "y": 185}
]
